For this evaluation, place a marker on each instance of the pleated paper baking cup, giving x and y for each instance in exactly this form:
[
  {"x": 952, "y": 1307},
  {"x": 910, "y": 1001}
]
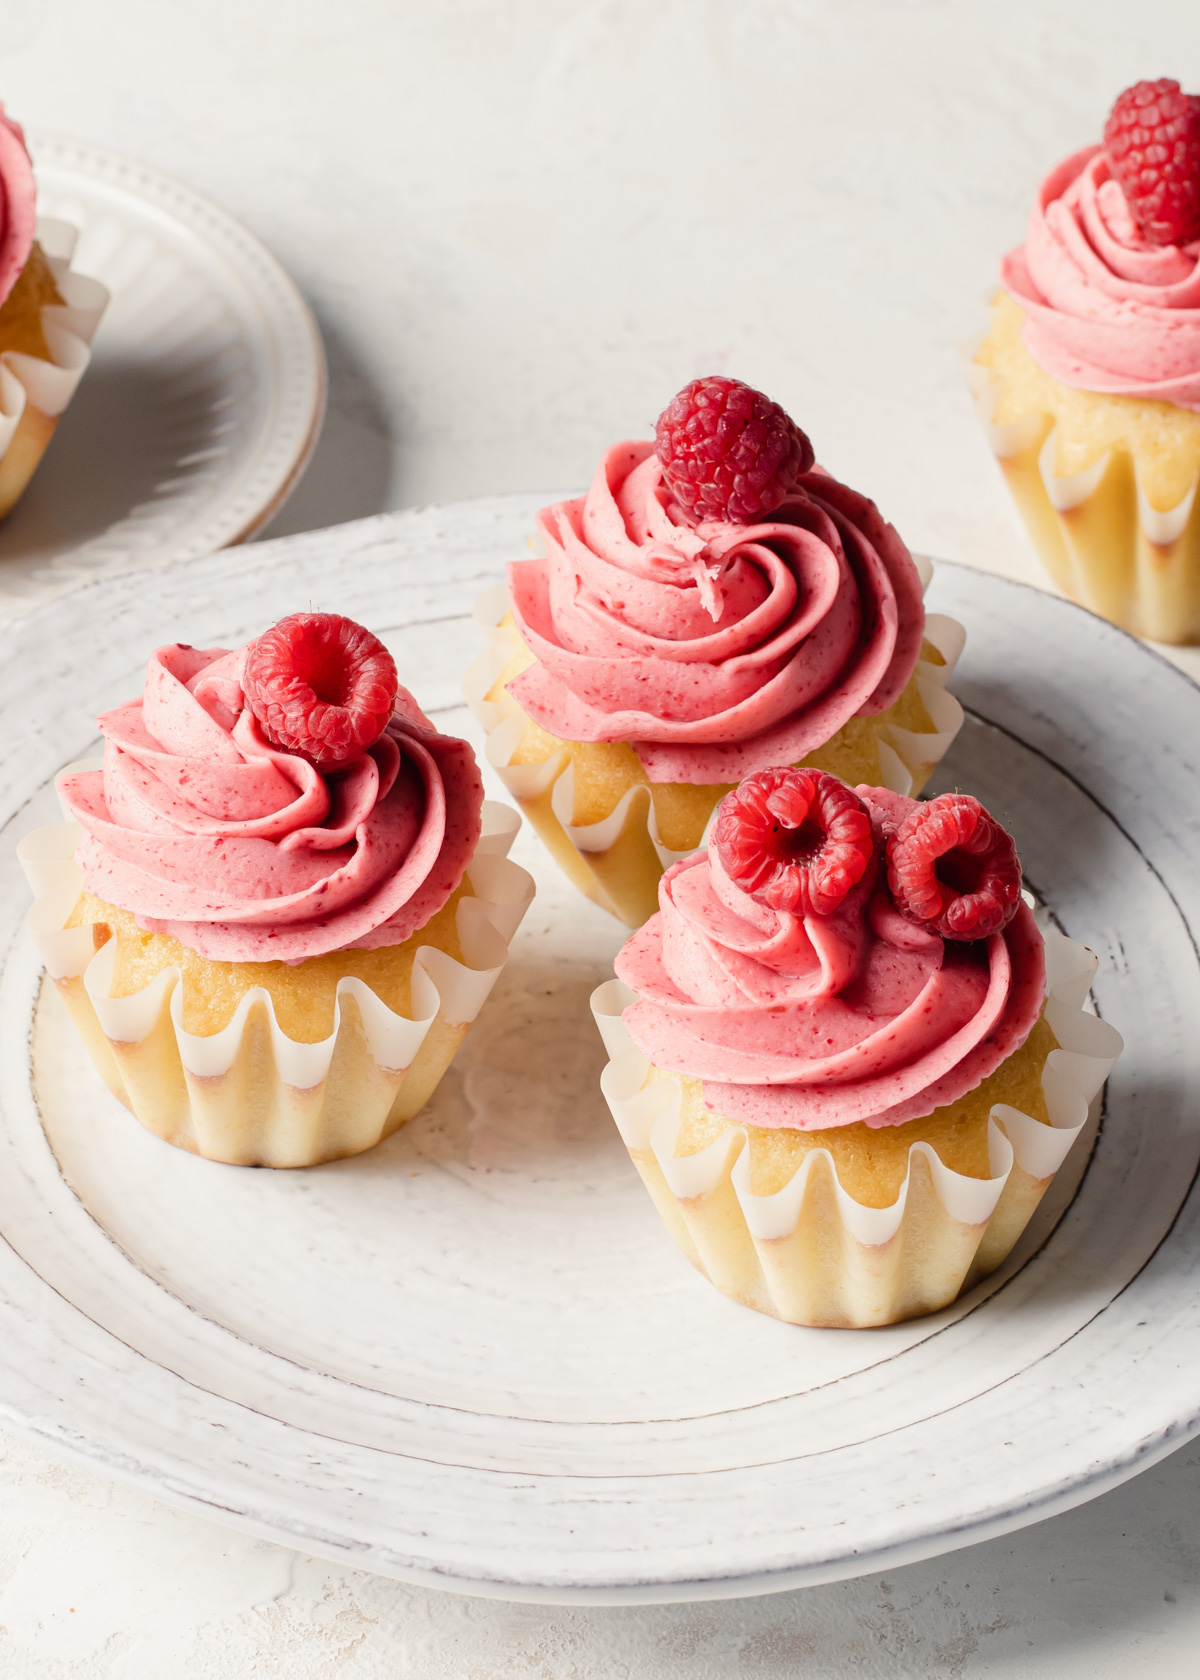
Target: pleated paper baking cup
[
  {"x": 810, "y": 1253},
  {"x": 249, "y": 1094},
  {"x": 1096, "y": 532},
  {"x": 35, "y": 391},
  {"x": 617, "y": 861}
]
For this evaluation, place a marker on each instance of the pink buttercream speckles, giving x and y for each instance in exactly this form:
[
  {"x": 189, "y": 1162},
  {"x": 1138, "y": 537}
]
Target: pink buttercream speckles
[
  {"x": 246, "y": 853},
  {"x": 18, "y": 204},
  {"x": 1105, "y": 310},
  {"x": 817, "y": 1021},
  {"x": 720, "y": 649}
]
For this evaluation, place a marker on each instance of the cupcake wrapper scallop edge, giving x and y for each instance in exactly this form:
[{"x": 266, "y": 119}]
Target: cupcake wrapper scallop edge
[
  {"x": 1096, "y": 532},
  {"x": 249, "y": 1094},
  {"x": 602, "y": 858},
  {"x": 810, "y": 1253},
  {"x": 34, "y": 392}
]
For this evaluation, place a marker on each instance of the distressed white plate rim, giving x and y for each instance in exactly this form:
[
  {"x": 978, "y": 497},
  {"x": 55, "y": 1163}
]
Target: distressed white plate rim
[
  {"x": 204, "y": 398},
  {"x": 473, "y": 1358}
]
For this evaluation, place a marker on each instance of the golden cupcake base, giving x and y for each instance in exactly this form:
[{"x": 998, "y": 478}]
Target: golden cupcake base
[
  {"x": 612, "y": 831},
  {"x": 840, "y": 1229},
  {"x": 1105, "y": 485},
  {"x": 233, "y": 1085},
  {"x": 47, "y": 323}
]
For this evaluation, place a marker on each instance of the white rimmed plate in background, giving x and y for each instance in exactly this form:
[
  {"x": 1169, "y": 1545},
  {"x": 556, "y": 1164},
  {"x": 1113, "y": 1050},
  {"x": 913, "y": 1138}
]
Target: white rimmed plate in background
[{"x": 205, "y": 393}]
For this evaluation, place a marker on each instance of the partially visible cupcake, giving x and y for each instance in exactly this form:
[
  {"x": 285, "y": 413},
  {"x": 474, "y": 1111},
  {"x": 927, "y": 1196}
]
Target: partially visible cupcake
[
  {"x": 714, "y": 605},
  {"x": 281, "y": 900},
  {"x": 845, "y": 1060},
  {"x": 48, "y": 316},
  {"x": 1088, "y": 382}
]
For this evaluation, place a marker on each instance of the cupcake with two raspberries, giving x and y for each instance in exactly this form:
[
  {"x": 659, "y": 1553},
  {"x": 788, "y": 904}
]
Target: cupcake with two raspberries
[
  {"x": 280, "y": 900},
  {"x": 845, "y": 1060},
  {"x": 715, "y": 605},
  {"x": 1088, "y": 382}
]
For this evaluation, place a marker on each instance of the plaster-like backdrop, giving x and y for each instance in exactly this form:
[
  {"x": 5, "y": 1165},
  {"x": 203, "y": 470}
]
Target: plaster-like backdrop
[{"x": 522, "y": 224}]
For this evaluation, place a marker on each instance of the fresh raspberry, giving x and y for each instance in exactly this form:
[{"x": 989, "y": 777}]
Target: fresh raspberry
[
  {"x": 953, "y": 869},
  {"x": 796, "y": 840},
  {"x": 321, "y": 686},
  {"x": 728, "y": 452},
  {"x": 1152, "y": 143}
]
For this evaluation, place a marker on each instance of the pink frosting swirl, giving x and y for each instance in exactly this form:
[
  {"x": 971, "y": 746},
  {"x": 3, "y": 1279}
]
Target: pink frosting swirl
[
  {"x": 720, "y": 649},
  {"x": 18, "y": 204},
  {"x": 1104, "y": 310},
  {"x": 821, "y": 1021},
  {"x": 245, "y": 853}
]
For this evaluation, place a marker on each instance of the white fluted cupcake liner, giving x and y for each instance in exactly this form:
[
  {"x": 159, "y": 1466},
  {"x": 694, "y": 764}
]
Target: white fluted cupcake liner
[
  {"x": 249, "y": 1094},
  {"x": 617, "y": 860},
  {"x": 1096, "y": 531},
  {"x": 810, "y": 1253},
  {"x": 34, "y": 392}
]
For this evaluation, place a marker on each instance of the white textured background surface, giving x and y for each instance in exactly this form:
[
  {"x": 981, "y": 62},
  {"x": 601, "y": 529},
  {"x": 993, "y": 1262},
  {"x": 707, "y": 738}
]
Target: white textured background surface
[{"x": 524, "y": 223}]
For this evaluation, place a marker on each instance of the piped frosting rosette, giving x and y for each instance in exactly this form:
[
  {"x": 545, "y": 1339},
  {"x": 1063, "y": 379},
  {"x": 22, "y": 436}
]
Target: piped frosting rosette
[
  {"x": 760, "y": 1053},
  {"x": 1104, "y": 309},
  {"x": 1107, "y": 490},
  {"x": 38, "y": 373},
  {"x": 707, "y": 650},
  {"x": 235, "y": 852}
]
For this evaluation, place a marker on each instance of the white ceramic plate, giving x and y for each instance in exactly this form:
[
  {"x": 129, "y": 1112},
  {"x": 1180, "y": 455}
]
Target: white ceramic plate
[
  {"x": 204, "y": 396},
  {"x": 473, "y": 1357}
]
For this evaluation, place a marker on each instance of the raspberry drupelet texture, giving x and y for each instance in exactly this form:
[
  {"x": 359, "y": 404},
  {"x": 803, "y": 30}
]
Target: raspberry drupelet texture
[
  {"x": 728, "y": 452},
  {"x": 953, "y": 869},
  {"x": 1152, "y": 143},
  {"x": 320, "y": 685},
  {"x": 796, "y": 840}
]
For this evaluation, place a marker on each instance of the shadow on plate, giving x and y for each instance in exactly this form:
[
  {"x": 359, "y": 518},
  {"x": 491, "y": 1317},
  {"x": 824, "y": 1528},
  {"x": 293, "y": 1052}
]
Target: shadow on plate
[
  {"x": 131, "y": 436},
  {"x": 523, "y": 1094},
  {"x": 349, "y": 476},
  {"x": 140, "y": 434}
]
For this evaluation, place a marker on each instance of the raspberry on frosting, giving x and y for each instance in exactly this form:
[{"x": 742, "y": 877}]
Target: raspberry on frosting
[
  {"x": 796, "y": 840},
  {"x": 320, "y": 685},
  {"x": 953, "y": 869},
  {"x": 204, "y": 830},
  {"x": 1152, "y": 143},
  {"x": 809, "y": 1021},
  {"x": 728, "y": 452},
  {"x": 1106, "y": 309},
  {"x": 716, "y": 652}
]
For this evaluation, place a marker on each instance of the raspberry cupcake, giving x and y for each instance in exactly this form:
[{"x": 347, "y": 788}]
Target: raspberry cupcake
[
  {"x": 48, "y": 316},
  {"x": 715, "y": 605},
  {"x": 845, "y": 1060},
  {"x": 280, "y": 901},
  {"x": 1088, "y": 382}
]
